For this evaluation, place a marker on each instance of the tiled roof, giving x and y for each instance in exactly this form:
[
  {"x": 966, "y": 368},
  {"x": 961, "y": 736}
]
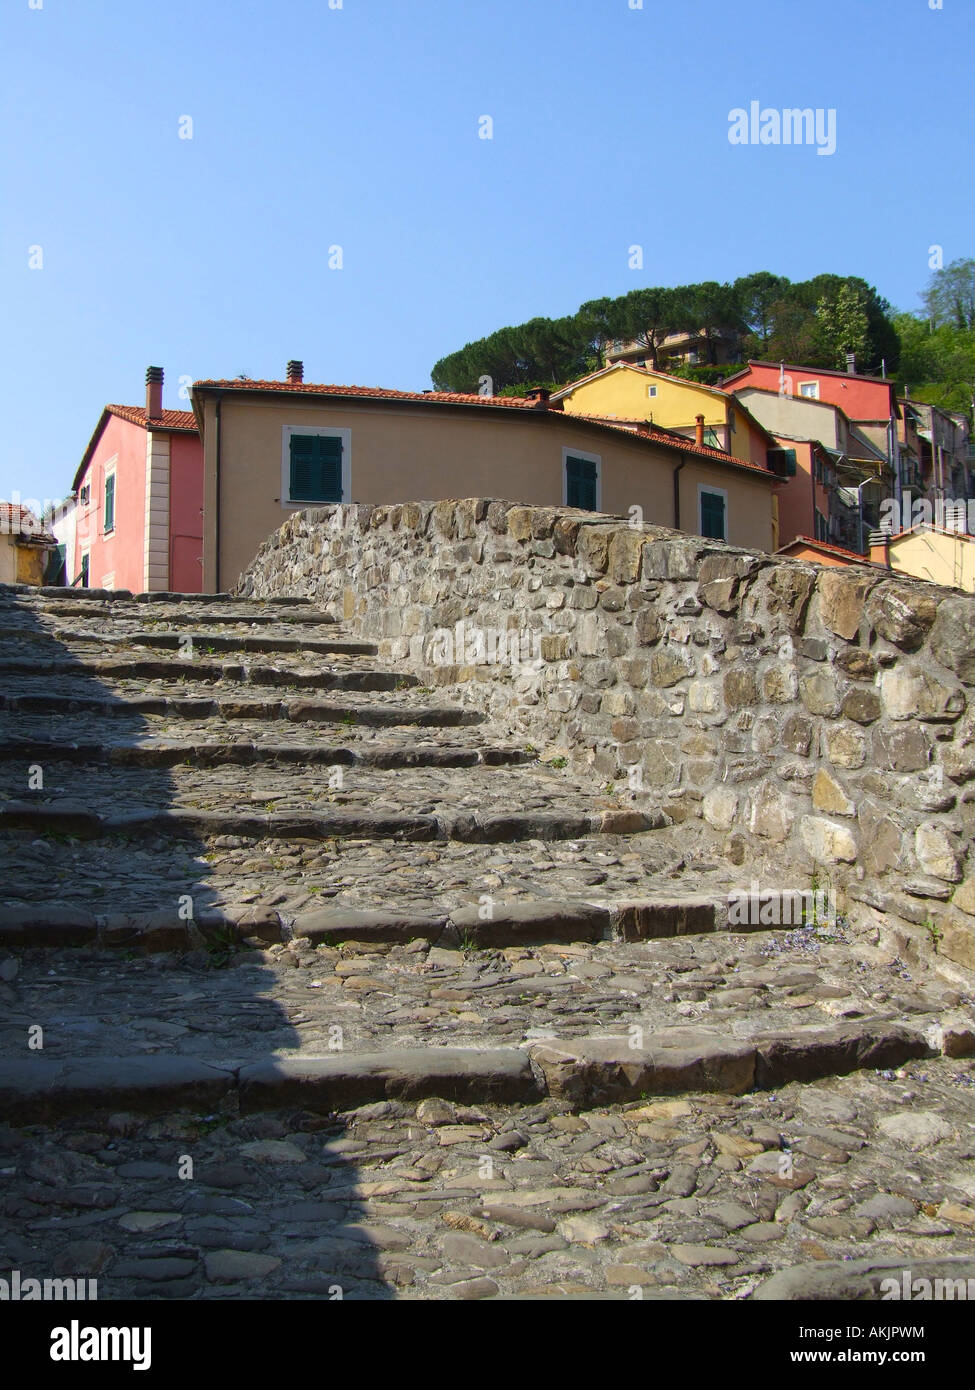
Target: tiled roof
[
  {"x": 671, "y": 440},
  {"x": 831, "y": 549},
  {"x": 183, "y": 420},
  {"x": 167, "y": 420},
  {"x": 382, "y": 393},
  {"x": 21, "y": 521}
]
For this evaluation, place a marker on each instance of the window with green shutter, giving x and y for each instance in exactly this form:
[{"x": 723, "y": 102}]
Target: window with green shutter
[
  {"x": 712, "y": 515},
  {"x": 316, "y": 468},
  {"x": 109, "y": 524},
  {"x": 580, "y": 483}
]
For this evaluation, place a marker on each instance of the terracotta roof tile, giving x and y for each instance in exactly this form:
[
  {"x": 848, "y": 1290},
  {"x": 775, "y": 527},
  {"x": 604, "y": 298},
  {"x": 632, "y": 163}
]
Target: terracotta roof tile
[
  {"x": 831, "y": 549},
  {"x": 168, "y": 420},
  {"x": 375, "y": 392},
  {"x": 21, "y": 521},
  {"x": 675, "y": 441}
]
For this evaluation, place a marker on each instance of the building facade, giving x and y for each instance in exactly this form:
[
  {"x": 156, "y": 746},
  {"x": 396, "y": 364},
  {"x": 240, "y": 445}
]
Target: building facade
[
  {"x": 272, "y": 447},
  {"x": 138, "y": 500}
]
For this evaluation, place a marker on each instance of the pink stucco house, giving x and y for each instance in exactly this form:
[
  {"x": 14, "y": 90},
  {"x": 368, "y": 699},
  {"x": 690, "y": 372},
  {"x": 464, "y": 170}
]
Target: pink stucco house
[{"x": 139, "y": 499}]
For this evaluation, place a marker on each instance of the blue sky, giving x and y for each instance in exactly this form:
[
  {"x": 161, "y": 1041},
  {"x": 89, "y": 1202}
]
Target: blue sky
[{"x": 358, "y": 127}]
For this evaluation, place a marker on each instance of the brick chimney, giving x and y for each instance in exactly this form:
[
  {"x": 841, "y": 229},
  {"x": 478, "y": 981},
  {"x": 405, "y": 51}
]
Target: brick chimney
[
  {"x": 699, "y": 430},
  {"x": 154, "y": 386},
  {"x": 539, "y": 395},
  {"x": 296, "y": 370}
]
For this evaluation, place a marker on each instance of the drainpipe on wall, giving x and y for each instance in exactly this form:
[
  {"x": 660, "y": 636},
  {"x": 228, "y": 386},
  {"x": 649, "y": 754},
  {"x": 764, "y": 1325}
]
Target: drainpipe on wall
[
  {"x": 677, "y": 494},
  {"x": 216, "y": 506}
]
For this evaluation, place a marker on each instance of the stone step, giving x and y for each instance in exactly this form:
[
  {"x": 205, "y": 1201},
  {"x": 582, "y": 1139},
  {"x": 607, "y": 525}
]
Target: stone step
[
  {"x": 135, "y": 874},
  {"x": 173, "y": 752},
  {"x": 479, "y": 789},
  {"x": 296, "y": 711},
  {"x": 202, "y": 642},
  {"x": 602, "y": 1011},
  {"x": 75, "y": 819},
  {"x": 523, "y": 923},
  {"x": 29, "y": 596},
  {"x": 58, "y": 817},
  {"x": 601, "y": 1072},
  {"x": 257, "y": 616},
  {"x": 38, "y": 673},
  {"x": 448, "y": 1200}
]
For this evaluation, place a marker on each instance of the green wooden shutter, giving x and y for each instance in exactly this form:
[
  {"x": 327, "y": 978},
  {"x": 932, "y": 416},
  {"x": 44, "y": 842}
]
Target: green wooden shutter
[
  {"x": 580, "y": 483},
  {"x": 712, "y": 515},
  {"x": 85, "y": 568},
  {"x": 110, "y": 502},
  {"x": 316, "y": 468}
]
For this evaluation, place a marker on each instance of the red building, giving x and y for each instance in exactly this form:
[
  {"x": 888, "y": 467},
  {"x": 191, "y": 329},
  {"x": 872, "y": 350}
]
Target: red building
[
  {"x": 870, "y": 402},
  {"x": 139, "y": 491}
]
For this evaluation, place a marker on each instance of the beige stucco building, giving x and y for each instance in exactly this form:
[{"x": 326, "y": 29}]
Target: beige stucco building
[
  {"x": 272, "y": 447},
  {"x": 928, "y": 552}
]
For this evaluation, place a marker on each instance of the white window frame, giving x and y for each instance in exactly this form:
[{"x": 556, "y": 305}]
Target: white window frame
[
  {"x": 812, "y": 395},
  {"x": 652, "y": 390},
  {"x": 597, "y": 459},
  {"x": 702, "y": 488},
  {"x": 332, "y": 432}
]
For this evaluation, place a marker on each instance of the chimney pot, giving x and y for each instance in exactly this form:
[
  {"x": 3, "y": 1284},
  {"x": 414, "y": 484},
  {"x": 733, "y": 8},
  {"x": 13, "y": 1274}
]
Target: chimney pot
[
  {"x": 296, "y": 370},
  {"x": 699, "y": 430},
  {"x": 154, "y": 389},
  {"x": 851, "y": 363}
]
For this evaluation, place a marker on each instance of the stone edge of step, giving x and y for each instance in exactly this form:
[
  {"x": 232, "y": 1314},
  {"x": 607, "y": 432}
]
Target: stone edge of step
[
  {"x": 592, "y": 1072},
  {"x": 72, "y": 818},
  {"x": 517, "y": 922}
]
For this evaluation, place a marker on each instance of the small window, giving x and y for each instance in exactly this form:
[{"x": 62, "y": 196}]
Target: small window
[
  {"x": 109, "y": 521},
  {"x": 651, "y": 390},
  {"x": 582, "y": 482},
  {"x": 713, "y": 508},
  {"x": 809, "y": 389},
  {"x": 84, "y": 496},
  {"x": 316, "y": 468}
]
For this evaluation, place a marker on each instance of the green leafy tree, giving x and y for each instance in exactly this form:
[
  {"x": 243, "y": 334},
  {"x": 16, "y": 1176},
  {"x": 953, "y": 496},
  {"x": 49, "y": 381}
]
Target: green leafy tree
[
  {"x": 758, "y": 296},
  {"x": 950, "y": 295},
  {"x": 843, "y": 325}
]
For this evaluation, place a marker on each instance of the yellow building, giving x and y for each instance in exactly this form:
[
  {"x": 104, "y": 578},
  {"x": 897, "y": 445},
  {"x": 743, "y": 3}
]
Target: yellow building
[
  {"x": 928, "y": 552},
  {"x": 625, "y": 394}
]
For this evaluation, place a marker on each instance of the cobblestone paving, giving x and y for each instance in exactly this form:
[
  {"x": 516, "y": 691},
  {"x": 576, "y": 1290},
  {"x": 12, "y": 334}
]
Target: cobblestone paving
[
  {"x": 696, "y": 1195},
  {"x": 701, "y": 1196}
]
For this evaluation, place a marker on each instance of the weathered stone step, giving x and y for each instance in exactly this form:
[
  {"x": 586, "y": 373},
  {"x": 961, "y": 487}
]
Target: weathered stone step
[
  {"x": 263, "y": 615},
  {"x": 523, "y": 923},
  {"x": 20, "y": 592},
  {"x": 598, "y": 1072},
  {"x": 172, "y": 753},
  {"x": 72, "y": 818},
  {"x": 130, "y": 669},
  {"x": 204, "y": 642},
  {"x": 297, "y": 711}
]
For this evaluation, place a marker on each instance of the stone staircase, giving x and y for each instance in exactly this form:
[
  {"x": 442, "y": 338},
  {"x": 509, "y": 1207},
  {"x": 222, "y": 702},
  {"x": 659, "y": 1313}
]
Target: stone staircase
[{"x": 265, "y": 898}]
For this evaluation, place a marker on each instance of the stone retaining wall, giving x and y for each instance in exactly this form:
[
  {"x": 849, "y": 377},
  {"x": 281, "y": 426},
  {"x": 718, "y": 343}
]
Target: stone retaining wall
[{"x": 786, "y": 716}]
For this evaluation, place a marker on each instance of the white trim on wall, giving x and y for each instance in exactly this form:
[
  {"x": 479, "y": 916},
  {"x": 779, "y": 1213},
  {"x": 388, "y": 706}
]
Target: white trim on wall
[
  {"x": 330, "y": 431},
  {"x": 597, "y": 459},
  {"x": 718, "y": 491}
]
